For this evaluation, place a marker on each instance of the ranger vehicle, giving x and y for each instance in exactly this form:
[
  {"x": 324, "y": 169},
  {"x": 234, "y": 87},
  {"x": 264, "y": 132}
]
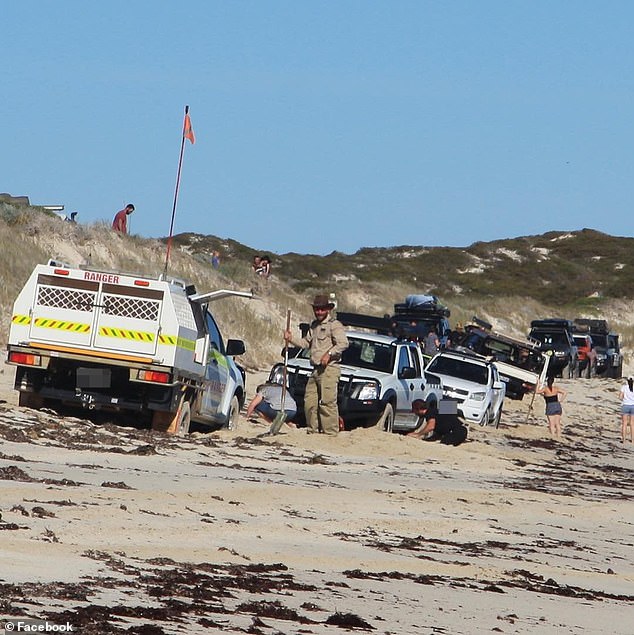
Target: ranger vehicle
[
  {"x": 124, "y": 343},
  {"x": 380, "y": 378}
]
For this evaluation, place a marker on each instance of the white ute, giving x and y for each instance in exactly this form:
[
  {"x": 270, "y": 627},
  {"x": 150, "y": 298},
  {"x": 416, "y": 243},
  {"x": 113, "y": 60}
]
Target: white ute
[{"x": 133, "y": 344}]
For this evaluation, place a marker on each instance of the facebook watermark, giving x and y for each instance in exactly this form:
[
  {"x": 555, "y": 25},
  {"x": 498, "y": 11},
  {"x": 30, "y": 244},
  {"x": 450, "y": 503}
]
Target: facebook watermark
[{"x": 35, "y": 626}]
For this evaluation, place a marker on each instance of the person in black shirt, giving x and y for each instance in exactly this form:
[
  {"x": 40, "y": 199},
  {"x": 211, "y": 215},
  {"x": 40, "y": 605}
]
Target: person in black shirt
[{"x": 432, "y": 426}]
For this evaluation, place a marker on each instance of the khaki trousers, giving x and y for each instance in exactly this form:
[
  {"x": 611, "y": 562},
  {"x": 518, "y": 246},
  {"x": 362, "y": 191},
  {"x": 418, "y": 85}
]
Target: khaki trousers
[{"x": 320, "y": 400}]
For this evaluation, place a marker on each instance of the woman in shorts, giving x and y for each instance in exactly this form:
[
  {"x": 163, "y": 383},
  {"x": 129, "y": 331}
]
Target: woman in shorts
[
  {"x": 627, "y": 409},
  {"x": 553, "y": 396}
]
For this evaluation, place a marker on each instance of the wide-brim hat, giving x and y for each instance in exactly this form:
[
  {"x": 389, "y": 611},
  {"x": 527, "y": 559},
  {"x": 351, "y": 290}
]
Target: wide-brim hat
[{"x": 322, "y": 302}]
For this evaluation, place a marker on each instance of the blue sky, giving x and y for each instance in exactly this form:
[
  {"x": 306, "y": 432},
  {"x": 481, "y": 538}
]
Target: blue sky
[{"x": 325, "y": 126}]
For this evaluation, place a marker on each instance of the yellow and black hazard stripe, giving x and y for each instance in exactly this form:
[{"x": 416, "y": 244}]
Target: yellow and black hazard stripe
[
  {"x": 62, "y": 325},
  {"x": 126, "y": 334},
  {"x": 180, "y": 342},
  {"x": 24, "y": 320}
]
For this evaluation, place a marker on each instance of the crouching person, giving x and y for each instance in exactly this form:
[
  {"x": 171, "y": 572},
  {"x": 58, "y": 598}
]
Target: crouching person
[
  {"x": 432, "y": 426},
  {"x": 267, "y": 403}
]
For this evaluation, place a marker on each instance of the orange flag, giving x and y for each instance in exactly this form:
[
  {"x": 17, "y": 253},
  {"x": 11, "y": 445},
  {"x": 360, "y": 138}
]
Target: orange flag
[{"x": 188, "y": 131}]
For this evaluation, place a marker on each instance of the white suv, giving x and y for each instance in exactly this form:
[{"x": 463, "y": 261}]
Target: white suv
[{"x": 472, "y": 381}]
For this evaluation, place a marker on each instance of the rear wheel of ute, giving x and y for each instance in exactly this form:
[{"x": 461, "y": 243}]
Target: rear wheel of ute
[
  {"x": 30, "y": 400},
  {"x": 178, "y": 422},
  {"x": 234, "y": 414},
  {"x": 183, "y": 419}
]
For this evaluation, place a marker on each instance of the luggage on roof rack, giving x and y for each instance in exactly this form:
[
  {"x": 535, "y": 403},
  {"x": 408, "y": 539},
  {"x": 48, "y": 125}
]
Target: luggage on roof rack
[
  {"x": 423, "y": 309},
  {"x": 420, "y": 299}
]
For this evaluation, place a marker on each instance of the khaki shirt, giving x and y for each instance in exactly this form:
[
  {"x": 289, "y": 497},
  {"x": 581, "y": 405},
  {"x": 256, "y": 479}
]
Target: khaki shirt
[{"x": 324, "y": 337}]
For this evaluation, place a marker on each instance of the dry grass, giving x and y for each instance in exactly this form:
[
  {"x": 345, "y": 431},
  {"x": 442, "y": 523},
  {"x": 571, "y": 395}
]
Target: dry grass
[{"x": 30, "y": 237}]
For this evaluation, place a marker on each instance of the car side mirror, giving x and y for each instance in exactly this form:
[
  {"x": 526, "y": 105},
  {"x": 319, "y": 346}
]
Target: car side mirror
[
  {"x": 498, "y": 385},
  {"x": 407, "y": 372},
  {"x": 235, "y": 347}
]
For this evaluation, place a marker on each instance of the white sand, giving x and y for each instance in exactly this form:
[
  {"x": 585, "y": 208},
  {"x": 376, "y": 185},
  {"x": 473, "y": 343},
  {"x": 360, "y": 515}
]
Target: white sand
[{"x": 510, "y": 532}]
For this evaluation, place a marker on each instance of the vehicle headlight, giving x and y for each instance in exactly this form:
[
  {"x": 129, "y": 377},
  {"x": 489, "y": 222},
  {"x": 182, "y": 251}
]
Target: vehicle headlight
[
  {"x": 365, "y": 390},
  {"x": 478, "y": 396}
]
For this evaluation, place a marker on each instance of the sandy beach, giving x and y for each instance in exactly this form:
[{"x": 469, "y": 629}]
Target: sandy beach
[{"x": 119, "y": 530}]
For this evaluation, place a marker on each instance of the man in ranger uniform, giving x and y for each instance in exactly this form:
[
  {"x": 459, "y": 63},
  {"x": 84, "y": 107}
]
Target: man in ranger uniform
[{"x": 326, "y": 340}]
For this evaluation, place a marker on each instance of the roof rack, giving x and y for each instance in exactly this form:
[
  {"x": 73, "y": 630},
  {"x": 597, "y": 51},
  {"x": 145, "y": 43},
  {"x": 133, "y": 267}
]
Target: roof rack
[
  {"x": 370, "y": 322},
  {"x": 593, "y": 325},
  {"x": 467, "y": 352},
  {"x": 422, "y": 310}
]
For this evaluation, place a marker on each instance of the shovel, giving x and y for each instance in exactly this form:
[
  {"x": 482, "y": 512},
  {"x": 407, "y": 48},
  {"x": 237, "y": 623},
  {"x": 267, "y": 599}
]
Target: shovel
[{"x": 280, "y": 417}]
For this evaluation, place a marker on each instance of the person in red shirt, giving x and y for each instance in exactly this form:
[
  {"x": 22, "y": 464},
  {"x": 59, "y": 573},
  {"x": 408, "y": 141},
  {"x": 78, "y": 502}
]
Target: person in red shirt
[{"x": 120, "y": 222}]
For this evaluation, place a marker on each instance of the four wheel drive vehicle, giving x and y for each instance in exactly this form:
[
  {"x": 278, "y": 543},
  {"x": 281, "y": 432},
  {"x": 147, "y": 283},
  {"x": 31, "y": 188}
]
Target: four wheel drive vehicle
[
  {"x": 520, "y": 363},
  {"x": 118, "y": 342},
  {"x": 472, "y": 381},
  {"x": 586, "y": 354},
  {"x": 380, "y": 378},
  {"x": 414, "y": 318},
  {"x": 606, "y": 346},
  {"x": 556, "y": 335}
]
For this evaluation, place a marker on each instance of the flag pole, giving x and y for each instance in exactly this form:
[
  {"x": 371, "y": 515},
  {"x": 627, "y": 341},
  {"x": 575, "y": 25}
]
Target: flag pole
[{"x": 178, "y": 181}]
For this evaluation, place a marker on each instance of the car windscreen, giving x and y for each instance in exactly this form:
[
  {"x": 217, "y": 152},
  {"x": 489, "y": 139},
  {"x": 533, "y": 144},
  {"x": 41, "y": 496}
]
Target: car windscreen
[
  {"x": 600, "y": 340},
  {"x": 556, "y": 340},
  {"x": 462, "y": 369},
  {"x": 371, "y": 355},
  {"x": 364, "y": 354}
]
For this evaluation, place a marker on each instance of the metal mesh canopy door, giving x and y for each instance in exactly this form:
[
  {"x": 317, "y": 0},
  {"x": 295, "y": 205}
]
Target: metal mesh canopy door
[
  {"x": 63, "y": 310},
  {"x": 128, "y": 319}
]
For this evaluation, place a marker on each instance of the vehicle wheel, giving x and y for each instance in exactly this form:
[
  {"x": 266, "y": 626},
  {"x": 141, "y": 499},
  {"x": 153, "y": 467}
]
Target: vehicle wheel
[
  {"x": 619, "y": 371},
  {"x": 386, "y": 420},
  {"x": 486, "y": 418},
  {"x": 30, "y": 400},
  {"x": 234, "y": 414},
  {"x": 496, "y": 422},
  {"x": 177, "y": 422},
  {"x": 183, "y": 419}
]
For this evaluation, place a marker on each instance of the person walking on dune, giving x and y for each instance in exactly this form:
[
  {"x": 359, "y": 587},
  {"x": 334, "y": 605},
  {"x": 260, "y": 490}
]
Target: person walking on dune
[
  {"x": 120, "y": 222},
  {"x": 553, "y": 396}
]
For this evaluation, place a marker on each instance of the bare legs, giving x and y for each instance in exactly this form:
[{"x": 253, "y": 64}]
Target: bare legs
[
  {"x": 554, "y": 425},
  {"x": 626, "y": 421}
]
